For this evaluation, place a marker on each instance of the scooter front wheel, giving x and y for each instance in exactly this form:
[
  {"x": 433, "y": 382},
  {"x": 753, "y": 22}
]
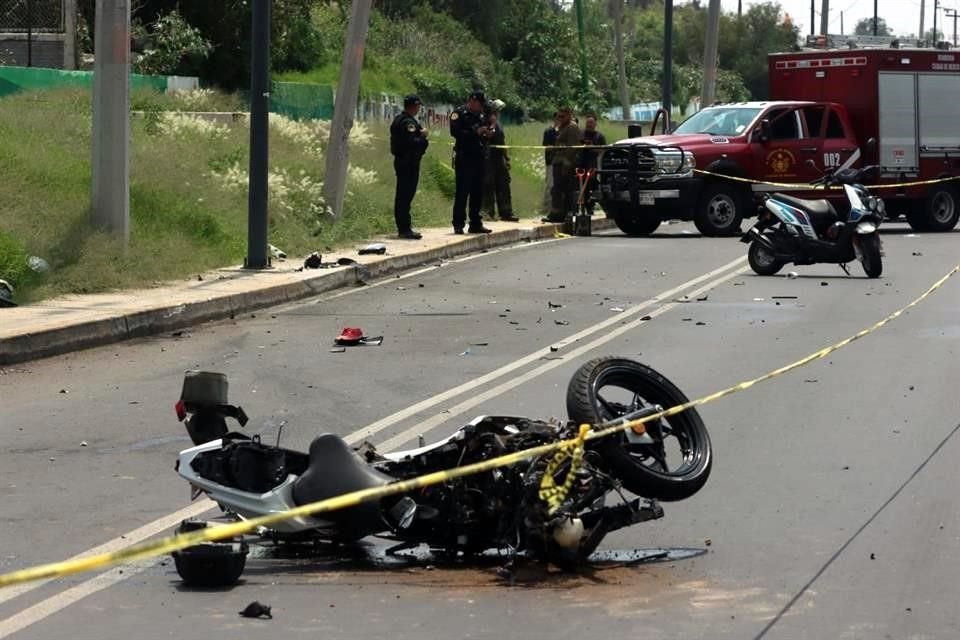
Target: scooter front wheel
[
  {"x": 870, "y": 255},
  {"x": 762, "y": 261}
]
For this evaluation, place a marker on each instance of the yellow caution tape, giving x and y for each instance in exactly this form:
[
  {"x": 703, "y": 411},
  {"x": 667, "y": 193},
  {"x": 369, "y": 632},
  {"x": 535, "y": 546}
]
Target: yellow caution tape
[
  {"x": 550, "y": 492},
  {"x": 226, "y": 531},
  {"x": 819, "y": 187}
]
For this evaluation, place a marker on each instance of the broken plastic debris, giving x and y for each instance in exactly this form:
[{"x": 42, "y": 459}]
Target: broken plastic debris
[
  {"x": 257, "y": 610},
  {"x": 38, "y": 264},
  {"x": 793, "y": 274},
  {"x": 464, "y": 353},
  {"x": 377, "y": 248},
  {"x": 561, "y": 322},
  {"x": 784, "y": 297},
  {"x": 551, "y": 305},
  {"x": 277, "y": 252},
  {"x": 758, "y": 299},
  {"x": 554, "y": 349},
  {"x": 616, "y": 309},
  {"x": 338, "y": 349},
  {"x": 703, "y": 298}
]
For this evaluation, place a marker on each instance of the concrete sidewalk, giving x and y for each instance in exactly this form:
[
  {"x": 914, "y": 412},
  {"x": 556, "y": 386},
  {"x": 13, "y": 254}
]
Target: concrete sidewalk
[{"x": 76, "y": 322}]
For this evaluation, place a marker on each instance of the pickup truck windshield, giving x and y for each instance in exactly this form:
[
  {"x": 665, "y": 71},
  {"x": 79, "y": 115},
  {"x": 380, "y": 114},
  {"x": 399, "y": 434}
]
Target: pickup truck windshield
[{"x": 719, "y": 121}]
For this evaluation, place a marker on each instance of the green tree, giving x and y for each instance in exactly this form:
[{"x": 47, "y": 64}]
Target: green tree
[{"x": 865, "y": 27}]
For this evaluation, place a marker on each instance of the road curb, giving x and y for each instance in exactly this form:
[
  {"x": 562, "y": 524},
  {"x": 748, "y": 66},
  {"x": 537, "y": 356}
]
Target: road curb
[{"x": 123, "y": 326}]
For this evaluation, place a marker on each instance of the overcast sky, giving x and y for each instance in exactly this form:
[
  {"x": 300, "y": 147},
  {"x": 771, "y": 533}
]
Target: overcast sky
[{"x": 903, "y": 16}]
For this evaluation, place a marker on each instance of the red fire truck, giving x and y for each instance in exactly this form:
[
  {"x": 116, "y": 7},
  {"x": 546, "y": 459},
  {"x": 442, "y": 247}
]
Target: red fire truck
[{"x": 871, "y": 102}]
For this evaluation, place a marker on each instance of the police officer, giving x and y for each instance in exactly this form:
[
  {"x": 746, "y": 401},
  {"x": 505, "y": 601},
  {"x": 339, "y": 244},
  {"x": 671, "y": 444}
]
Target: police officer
[
  {"x": 469, "y": 128},
  {"x": 496, "y": 177},
  {"x": 408, "y": 143}
]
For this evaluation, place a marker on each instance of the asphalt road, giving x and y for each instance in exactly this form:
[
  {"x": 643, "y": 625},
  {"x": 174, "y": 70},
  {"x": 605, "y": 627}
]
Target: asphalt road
[{"x": 832, "y": 511}]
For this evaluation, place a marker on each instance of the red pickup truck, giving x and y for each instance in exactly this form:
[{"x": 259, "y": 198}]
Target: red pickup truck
[{"x": 649, "y": 179}]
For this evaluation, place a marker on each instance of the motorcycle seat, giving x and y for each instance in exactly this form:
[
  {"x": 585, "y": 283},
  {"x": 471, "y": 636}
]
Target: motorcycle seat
[
  {"x": 822, "y": 214},
  {"x": 334, "y": 469}
]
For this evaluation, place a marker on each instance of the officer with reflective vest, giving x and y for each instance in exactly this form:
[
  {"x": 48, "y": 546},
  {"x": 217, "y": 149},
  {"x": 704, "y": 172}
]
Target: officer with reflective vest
[{"x": 408, "y": 143}]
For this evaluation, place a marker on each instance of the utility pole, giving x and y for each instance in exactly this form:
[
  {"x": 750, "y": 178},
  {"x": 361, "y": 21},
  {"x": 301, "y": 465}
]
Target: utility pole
[
  {"x": 110, "y": 142},
  {"x": 824, "y": 14},
  {"x": 584, "y": 84},
  {"x": 257, "y": 189},
  {"x": 69, "y": 34},
  {"x": 923, "y": 6},
  {"x": 953, "y": 14},
  {"x": 739, "y": 9},
  {"x": 616, "y": 7},
  {"x": 709, "y": 88},
  {"x": 935, "y": 9},
  {"x": 813, "y": 18},
  {"x": 667, "y": 93},
  {"x": 841, "y": 24},
  {"x": 875, "y": 25},
  {"x": 344, "y": 109}
]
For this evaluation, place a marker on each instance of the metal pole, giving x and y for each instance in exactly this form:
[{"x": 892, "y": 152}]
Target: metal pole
[
  {"x": 257, "y": 221},
  {"x": 824, "y": 13},
  {"x": 29, "y": 33},
  {"x": 841, "y": 24},
  {"x": 875, "y": 25},
  {"x": 585, "y": 86},
  {"x": 667, "y": 94},
  {"x": 953, "y": 14},
  {"x": 335, "y": 179},
  {"x": 709, "y": 88},
  {"x": 812, "y": 16},
  {"x": 111, "y": 119},
  {"x": 739, "y": 9}
]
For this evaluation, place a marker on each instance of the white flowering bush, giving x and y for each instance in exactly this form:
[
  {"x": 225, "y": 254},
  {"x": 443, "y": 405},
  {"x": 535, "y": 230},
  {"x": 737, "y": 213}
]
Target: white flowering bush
[
  {"x": 180, "y": 125},
  {"x": 194, "y": 100},
  {"x": 298, "y": 195},
  {"x": 360, "y": 177}
]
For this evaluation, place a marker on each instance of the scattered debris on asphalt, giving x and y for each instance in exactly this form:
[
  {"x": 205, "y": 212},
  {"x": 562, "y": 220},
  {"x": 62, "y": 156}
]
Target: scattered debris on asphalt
[
  {"x": 464, "y": 353},
  {"x": 811, "y": 380},
  {"x": 554, "y": 349},
  {"x": 562, "y": 286},
  {"x": 353, "y": 336},
  {"x": 257, "y": 610},
  {"x": 708, "y": 542},
  {"x": 83, "y": 443},
  {"x": 824, "y": 283},
  {"x": 703, "y": 298},
  {"x": 645, "y": 318},
  {"x": 701, "y": 324},
  {"x": 479, "y": 344},
  {"x": 64, "y": 391},
  {"x": 338, "y": 350},
  {"x": 551, "y": 305},
  {"x": 616, "y": 309},
  {"x": 759, "y": 299},
  {"x": 792, "y": 275},
  {"x": 377, "y": 248},
  {"x": 873, "y": 556},
  {"x": 562, "y": 323},
  {"x": 783, "y": 297},
  {"x": 313, "y": 261},
  {"x": 917, "y": 253},
  {"x": 686, "y": 319}
]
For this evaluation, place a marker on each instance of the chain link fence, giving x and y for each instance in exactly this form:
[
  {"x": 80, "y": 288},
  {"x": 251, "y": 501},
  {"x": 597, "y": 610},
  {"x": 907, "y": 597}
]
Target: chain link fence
[{"x": 37, "y": 16}]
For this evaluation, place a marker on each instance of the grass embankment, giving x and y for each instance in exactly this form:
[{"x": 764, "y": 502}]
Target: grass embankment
[{"x": 188, "y": 191}]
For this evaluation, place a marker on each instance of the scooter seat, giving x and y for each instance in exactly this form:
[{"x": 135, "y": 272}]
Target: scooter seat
[
  {"x": 334, "y": 469},
  {"x": 821, "y": 212}
]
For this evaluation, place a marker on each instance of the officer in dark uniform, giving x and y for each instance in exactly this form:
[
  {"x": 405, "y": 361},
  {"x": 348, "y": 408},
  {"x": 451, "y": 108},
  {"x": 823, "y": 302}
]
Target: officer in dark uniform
[
  {"x": 469, "y": 128},
  {"x": 408, "y": 143}
]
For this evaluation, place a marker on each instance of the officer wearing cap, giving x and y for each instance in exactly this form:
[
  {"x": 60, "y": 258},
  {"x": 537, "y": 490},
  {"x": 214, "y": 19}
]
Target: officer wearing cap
[
  {"x": 408, "y": 143},
  {"x": 469, "y": 129}
]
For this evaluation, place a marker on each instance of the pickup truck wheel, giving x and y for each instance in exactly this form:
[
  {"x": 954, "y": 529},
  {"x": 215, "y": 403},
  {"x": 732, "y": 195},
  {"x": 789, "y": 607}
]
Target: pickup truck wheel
[
  {"x": 635, "y": 225},
  {"x": 941, "y": 210},
  {"x": 720, "y": 210}
]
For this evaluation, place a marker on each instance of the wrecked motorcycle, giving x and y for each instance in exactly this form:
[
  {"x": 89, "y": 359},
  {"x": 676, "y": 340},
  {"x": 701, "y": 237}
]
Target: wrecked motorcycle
[{"x": 497, "y": 510}]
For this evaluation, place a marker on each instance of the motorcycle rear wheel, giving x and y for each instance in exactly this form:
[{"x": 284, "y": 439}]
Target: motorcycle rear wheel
[{"x": 644, "y": 469}]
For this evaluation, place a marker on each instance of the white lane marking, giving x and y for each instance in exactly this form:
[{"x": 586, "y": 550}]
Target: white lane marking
[
  {"x": 60, "y": 601},
  {"x": 137, "y": 535},
  {"x": 618, "y": 318},
  {"x": 424, "y": 426},
  {"x": 53, "y": 604}
]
